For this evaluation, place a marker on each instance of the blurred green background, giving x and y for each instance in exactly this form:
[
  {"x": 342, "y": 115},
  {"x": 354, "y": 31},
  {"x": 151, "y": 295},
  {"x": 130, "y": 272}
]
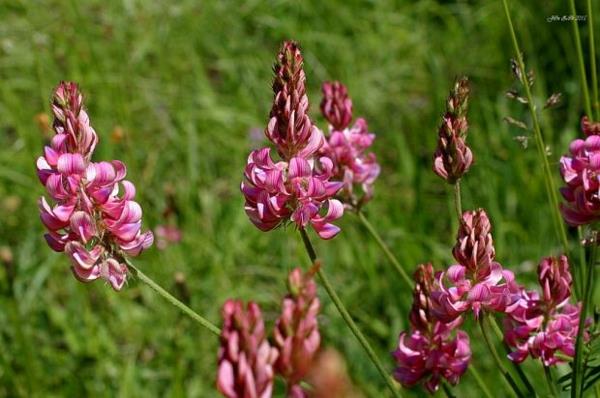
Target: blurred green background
[{"x": 175, "y": 90}]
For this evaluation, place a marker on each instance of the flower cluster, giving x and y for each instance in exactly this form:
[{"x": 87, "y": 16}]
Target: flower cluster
[
  {"x": 246, "y": 358},
  {"x": 248, "y": 363},
  {"x": 431, "y": 350},
  {"x": 95, "y": 219},
  {"x": 296, "y": 331},
  {"x": 580, "y": 170},
  {"x": 477, "y": 282},
  {"x": 298, "y": 188},
  {"x": 453, "y": 157},
  {"x": 544, "y": 325},
  {"x": 346, "y": 146}
]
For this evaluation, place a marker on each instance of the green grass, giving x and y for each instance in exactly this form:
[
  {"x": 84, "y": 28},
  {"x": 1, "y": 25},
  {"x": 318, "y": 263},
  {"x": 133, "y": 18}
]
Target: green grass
[{"x": 186, "y": 82}]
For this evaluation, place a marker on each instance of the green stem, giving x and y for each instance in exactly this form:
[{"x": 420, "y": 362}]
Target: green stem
[
  {"x": 577, "y": 378},
  {"x": 550, "y": 380},
  {"x": 386, "y": 249},
  {"x": 447, "y": 390},
  {"x": 590, "y": 17},
  {"x": 550, "y": 185},
  {"x": 480, "y": 381},
  {"x": 346, "y": 316},
  {"x": 516, "y": 367},
  {"x": 171, "y": 299},
  {"x": 582, "y": 75},
  {"x": 580, "y": 277},
  {"x": 458, "y": 200},
  {"x": 495, "y": 356}
]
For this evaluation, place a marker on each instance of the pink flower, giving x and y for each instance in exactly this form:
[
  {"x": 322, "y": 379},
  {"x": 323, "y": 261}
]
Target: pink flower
[
  {"x": 94, "y": 219},
  {"x": 296, "y": 331},
  {"x": 474, "y": 246},
  {"x": 580, "y": 172},
  {"x": 430, "y": 352},
  {"x": 166, "y": 235},
  {"x": 453, "y": 158},
  {"x": 547, "y": 325},
  {"x": 298, "y": 188},
  {"x": 351, "y": 163},
  {"x": 245, "y": 357},
  {"x": 429, "y": 358},
  {"x": 336, "y": 105}
]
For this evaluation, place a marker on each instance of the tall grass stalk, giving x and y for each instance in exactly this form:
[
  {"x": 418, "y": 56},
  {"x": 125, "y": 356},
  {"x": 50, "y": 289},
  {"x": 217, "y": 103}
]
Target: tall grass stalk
[
  {"x": 592, "y": 44},
  {"x": 171, "y": 299},
  {"x": 346, "y": 316},
  {"x": 582, "y": 74},
  {"x": 550, "y": 185},
  {"x": 386, "y": 250}
]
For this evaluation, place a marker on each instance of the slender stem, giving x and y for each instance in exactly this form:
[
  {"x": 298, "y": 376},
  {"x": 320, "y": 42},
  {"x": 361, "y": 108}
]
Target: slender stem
[
  {"x": 550, "y": 381},
  {"x": 458, "y": 200},
  {"x": 582, "y": 75},
  {"x": 590, "y": 17},
  {"x": 386, "y": 249},
  {"x": 346, "y": 316},
  {"x": 577, "y": 378},
  {"x": 496, "y": 358},
  {"x": 171, "y": 299},
  {"x": 580, "y": 278},
  {"x": 447, "y": 390},
  {"x": 480, "y": 381},
  {"x": 550, "y": 185},
  {"x": 516, "y": 366}
]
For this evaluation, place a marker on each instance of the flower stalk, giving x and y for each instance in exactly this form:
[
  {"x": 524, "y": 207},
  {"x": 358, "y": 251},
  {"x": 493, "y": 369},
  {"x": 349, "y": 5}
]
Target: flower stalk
[
  {"x": 346, "y": 316},
  {"x": 171, "y": 299},
  {"x": 582, "y": 75},
  {"x": 590, "y": 16}
]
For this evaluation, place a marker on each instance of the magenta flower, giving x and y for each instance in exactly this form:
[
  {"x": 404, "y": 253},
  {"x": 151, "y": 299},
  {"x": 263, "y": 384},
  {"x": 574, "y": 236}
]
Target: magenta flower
[
  {"x": 245, "y": 357},
  {"x": 547, "y": 325},
  {"x": 336, "y": 105},
  {"x": 430, "y": 352},
  {"x": 347, "y": 147},
  {"x": 298, "y": 188},
  {"x": 579, "y": 171},
  {"x": 453, "y": 158},
  {"x": 94, "y": 219},
  {"x": 296, "y": 331},
  {"x": 478, "y": 282}
]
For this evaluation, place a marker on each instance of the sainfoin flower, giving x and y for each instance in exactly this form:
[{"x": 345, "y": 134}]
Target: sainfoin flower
[
  {"x": 580, "y": 170},
  {"x": 544, "y": 325},
  {"x": 347, "y": 146},
  {"x": 297, "y": 188},
  {"x": 245, "y": 357},
  {"x": 94, "y": 218},
  {"x": 453, "y": 158},
  {"x": 477, "y": 282},
  {"x": 296, "y": 333},
  {"x": 433, "y": 349}
]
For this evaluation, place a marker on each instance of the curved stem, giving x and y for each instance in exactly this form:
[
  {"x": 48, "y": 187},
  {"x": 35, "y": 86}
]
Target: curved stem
[
  {"x": 386, "y": 249},
  {"x": 550, "y": 381},
  {"x": 458, "y": 200},
  {"x": 577, "y": 378},
  {"x": 592, "y": 45},
  {"x": 515, "y": 366},
  {"x": 346, "y": 316},
  {"x": 495, "y": 356},
  {"x": 582, "y": 75},
  {"x": 447, "y": 390},
  {"x": 550, "y": 185},
  {"x": 171, "y": 299},
  {"x": 480, "y": 381}
]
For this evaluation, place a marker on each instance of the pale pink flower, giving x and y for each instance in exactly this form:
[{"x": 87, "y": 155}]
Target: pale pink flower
[
  {"x": 94, "y": 219},
  {"x": 296, "y": 333},
  {"x": 542, "y": 326},
  {"x": 246, "y": 359},
  {"x": 580, "y": 171},
  {"x": 166, "y": 235},
  {"x": 336, "y": 105},
  {"x": 453, "y": 158}
]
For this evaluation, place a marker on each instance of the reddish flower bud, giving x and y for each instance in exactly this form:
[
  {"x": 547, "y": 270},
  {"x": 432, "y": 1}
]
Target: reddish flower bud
[
  {"x": 555, "y": 280},
  {"x": 474, "y": 246},
  {"x": 420, "y": 313},
  {"x": 589, "y": 128},
  {"x": 296, "y": 331},
  {"x": 245, "y": 357},
  {"x": 336, "y": 106}
]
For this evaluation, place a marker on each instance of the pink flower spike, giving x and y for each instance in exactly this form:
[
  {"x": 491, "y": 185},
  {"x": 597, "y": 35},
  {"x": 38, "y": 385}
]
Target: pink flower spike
[{"x": 336, "y": 105}]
